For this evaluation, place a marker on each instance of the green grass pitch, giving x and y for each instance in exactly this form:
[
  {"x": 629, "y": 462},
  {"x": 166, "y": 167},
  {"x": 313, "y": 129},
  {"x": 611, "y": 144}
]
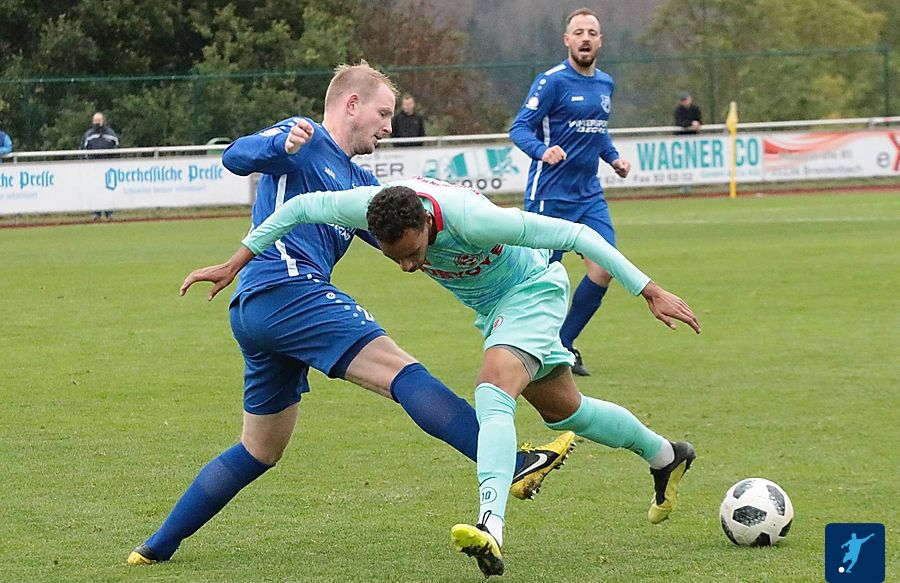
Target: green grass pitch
[{"x": 115, "y": 391}]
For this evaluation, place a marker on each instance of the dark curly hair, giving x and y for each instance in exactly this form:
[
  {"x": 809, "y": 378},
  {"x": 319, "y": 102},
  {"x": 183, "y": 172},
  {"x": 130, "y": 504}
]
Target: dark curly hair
[{"x": 393, "y": 211}]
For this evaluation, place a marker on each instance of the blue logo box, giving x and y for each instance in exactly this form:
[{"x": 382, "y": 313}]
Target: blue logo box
[{"x": 854, "y": 552}]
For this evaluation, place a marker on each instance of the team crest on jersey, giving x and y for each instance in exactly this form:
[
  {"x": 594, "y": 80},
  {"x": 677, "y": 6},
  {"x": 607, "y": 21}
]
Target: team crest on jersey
[
  {"x": 532, "y": 102},
  {"x": 467, "y": 260},
  {"x": 497, "y": 323},
  {"x": 604, "y": 103}
]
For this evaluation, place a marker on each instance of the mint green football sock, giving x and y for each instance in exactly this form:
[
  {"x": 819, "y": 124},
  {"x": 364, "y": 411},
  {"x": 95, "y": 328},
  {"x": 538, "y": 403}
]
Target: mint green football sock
[
  {"x": 496, "y": 454},
  {"x": 611, "y": 425}
]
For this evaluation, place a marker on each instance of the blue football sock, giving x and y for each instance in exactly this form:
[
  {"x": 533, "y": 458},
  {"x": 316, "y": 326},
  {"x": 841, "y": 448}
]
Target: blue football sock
[
  {"x": 438, "y": 411},
  {"x": 587, "y": 298},
  {"x": 214, "y": 486}
]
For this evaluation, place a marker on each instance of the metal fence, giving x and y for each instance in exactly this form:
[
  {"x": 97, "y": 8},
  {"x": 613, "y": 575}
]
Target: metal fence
[{"x": 52, "y": 113}]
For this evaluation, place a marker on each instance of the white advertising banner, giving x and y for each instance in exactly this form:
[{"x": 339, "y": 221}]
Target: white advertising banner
[
  {"x": 490, "y": 169},
  {"x": 665, "y": 160},
  {"x": 657, "y": 161},
  {"x": 824, "y": 155},
  {"x": 114, "y": 184}
]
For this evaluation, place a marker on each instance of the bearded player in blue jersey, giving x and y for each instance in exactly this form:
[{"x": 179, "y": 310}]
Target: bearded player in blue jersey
[
  {"x": 495, "y": 261},
  {"x": 287, "y": 316},
  {"x": 563, "y": 127}
]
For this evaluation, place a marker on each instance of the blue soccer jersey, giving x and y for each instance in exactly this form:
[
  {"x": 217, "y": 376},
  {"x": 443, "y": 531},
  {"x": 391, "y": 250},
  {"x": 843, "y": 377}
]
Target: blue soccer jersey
[
  {"x": 567, "y": 109},
  {"x": 308, "y": 250}
]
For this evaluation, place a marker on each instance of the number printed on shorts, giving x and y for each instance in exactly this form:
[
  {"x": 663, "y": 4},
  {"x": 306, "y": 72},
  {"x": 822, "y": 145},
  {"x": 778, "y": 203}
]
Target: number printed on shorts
[{"x": 365, "y": 313}]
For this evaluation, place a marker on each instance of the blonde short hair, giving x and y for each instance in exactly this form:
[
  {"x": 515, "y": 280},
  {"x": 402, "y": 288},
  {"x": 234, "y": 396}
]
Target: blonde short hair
[{"x": 361, "y": 79}]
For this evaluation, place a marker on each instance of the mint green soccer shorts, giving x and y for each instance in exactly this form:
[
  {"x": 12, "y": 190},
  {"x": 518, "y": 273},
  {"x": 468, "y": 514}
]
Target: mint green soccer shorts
[{"x": 529, "y": 317}]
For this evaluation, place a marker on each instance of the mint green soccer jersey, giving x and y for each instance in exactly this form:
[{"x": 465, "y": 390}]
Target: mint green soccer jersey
[{"x": 481, "y": 251}]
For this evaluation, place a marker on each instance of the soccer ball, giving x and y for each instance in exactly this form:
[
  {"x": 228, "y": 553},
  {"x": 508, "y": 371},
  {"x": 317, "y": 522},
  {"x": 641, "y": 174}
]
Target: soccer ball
[{"x": 756, "y": 513}]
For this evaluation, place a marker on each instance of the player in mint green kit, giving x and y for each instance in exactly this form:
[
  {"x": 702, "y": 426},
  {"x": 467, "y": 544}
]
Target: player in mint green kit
[{"x": 494, "y": 260}]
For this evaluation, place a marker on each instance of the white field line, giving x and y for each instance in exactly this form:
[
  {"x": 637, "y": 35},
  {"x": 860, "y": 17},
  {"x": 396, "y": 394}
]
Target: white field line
[{"x": 757, "y": 221}]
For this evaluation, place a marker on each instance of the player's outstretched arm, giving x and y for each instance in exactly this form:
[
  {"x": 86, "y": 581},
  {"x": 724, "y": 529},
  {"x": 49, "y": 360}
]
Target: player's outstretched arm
[
  {"x": 220, "y": 275},
  {"x": 489, "y": 224},
  {"x": 666, "y": 306}
]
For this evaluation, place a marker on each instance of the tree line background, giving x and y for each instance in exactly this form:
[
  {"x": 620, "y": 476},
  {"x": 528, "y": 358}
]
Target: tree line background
[{"x": 174, "y": 72}]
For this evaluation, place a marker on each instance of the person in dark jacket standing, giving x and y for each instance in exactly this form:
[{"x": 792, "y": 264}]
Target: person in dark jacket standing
[
  {"x": 687, "y": 115},
  {"x": 99, "y": 137},
  {"x": 407, "y": 123}
]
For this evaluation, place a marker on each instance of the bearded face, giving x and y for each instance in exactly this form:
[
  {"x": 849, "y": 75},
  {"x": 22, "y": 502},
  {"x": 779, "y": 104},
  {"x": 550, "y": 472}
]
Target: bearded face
[{"x": 583, "y": 39}]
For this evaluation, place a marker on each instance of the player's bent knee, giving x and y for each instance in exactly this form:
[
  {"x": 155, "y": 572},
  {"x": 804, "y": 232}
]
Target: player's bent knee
[
  {"x": 267, "y": 436},
  {"x": 555, "y": 399},
  {"x": 601, "y": 279},
  {"x": 597, "y": 274},
  {"x": 268, "y": 456},
  {"x": 556, "y": 414},
  {"x": 377, "y": 364}
]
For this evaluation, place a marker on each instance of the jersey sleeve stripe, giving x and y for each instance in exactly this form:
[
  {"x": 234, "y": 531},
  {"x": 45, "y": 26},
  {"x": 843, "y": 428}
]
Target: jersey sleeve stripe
[
  {"x": 289, "y": 261},
  {"x": 552, "y": 70},
  {"x": 540, "y": 165}
]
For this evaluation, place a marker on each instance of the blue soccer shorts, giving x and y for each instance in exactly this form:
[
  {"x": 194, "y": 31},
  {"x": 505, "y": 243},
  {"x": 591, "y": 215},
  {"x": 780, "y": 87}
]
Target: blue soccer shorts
[
  {"x": 286, "y": 329},
  {"x": 592, "y": 212}
]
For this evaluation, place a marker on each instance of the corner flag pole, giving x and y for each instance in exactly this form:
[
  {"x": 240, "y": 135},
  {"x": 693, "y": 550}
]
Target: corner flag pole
[{"x": 731, "y": 123}]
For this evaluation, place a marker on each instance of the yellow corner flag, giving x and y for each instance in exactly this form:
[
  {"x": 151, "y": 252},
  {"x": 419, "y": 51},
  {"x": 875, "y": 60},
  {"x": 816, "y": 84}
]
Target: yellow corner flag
[
  {"x": 732, "y": 120},
  {"x": 731, "y": 123}
]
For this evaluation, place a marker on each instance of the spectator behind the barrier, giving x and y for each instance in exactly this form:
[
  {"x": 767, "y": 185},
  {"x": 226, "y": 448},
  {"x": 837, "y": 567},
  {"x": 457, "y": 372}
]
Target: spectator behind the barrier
[
  {"x": 407, "y": 123},
  {"x": 687, "y": 115},
  {"x": 99, "y": 137},
  {"x": 6, "y": 145}
]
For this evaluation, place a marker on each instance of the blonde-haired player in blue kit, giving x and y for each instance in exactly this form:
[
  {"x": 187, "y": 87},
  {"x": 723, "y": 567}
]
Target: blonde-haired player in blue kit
[
  {"x": 287, "y": 316},
  {"x": 494, "y": 260}
]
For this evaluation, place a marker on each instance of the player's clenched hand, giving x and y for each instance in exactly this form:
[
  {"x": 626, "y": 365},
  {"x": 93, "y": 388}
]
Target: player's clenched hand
[
  {"x": 220, "y": 275},
  {"x": 553, "y": 155},
  {"x": 300, "y": 133},
  {"x": 666, "y": 306},
  {"x": 621, "y": 166}
]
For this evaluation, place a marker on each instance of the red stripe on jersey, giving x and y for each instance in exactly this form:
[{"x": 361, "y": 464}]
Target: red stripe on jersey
[{"x": 438, "y": 215}]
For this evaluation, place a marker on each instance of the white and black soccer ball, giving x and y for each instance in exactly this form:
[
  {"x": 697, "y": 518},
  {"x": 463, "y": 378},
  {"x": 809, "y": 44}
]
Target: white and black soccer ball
[{"x": 756, "y": 513}]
